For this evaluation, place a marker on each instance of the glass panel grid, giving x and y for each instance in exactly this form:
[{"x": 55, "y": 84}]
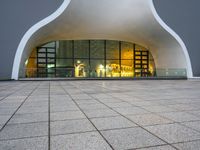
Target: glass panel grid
[{"x": 95, "y": 59}]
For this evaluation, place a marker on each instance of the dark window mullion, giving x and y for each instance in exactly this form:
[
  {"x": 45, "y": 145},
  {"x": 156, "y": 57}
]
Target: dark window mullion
[
  {"x": 89, "y": 57},
  {"x": 73, "y": 51},
  {"x": 46, "y": 62},
  {"x": 37, "y": 62},
  {"x": 105, "y": 48},
  {"x": 134, "y": 60},
  {"x": 55, "y": 71},
  {"x": 120, "y": 49}
]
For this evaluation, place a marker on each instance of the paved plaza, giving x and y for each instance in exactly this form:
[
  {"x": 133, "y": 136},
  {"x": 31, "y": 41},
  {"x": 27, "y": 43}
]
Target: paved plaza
[{"x": 102, "y": 115}]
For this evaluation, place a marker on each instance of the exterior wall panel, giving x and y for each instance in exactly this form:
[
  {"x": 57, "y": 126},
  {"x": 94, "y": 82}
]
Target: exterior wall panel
[{"x": 183, "y": 17}]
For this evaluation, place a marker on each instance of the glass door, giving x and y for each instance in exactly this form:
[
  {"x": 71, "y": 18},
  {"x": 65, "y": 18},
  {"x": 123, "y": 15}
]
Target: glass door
[
  {"x": 46, "y": 62},
  {"x": 141, "y": 63}
]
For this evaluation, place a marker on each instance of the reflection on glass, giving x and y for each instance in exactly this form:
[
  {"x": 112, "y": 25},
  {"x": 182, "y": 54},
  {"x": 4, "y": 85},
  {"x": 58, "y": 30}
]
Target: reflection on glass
[
  {"x": 97, "y": 68},
  {"x": 97, "y": 49},
  {"x": 152, "y": 67},
  {"x": 112, "y": 68},
  {"x": 81, "y": 49},
  {"x": 127, "y": 50},
  {"x": 139, "y": 48},
  {"x": 90, "y": 58},
  {"x": 31, "y": 64},
  {"x": 81, "y": 68},
  {"x": 64, "y": 49},
  {"x": 126, "y": 68},
  {"x": 112, "y": 50},
  {"x": 50, "y": 44},
  {"x": 64, "y": 63}
]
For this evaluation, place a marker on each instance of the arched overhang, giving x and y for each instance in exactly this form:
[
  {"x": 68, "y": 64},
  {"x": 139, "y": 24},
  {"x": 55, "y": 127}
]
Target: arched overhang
[{"x": 128, "y": 20}]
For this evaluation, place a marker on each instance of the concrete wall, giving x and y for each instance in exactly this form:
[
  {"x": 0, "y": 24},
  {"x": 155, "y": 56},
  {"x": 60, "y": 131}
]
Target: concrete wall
[
  {"x": 183, "y": 17},
  {"x": 16, "y": 17}
]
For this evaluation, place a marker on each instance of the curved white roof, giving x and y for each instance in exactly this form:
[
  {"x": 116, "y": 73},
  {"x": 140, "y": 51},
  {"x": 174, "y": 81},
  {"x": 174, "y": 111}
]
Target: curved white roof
[{"x": 126, "y": 20}]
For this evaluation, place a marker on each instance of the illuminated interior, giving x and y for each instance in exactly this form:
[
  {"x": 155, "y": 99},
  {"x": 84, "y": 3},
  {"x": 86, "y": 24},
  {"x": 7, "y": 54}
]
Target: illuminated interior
[{"x": 90, "y": 59}]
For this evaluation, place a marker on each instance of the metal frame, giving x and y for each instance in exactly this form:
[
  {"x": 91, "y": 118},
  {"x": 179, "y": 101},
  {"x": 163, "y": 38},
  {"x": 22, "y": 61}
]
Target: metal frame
[
  {"x": 46, "y": 60},
  {"x": 144, "y": 72}
]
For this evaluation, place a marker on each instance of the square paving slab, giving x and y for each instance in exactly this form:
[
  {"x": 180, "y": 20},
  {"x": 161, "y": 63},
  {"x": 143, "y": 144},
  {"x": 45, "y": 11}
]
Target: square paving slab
[
  {"x": 15, "y": 131},
  {"x": 71, "y": 126},
  {"x": 81, "y": 141},
  {"x": 38, "y": 143},
  {"x": 131, "y": 138},
  {"x": 194, "y": 145},
  {"x": 174, "y": 133},
  {"x": 100, "y": 115},
  {"x": 112, "y": 123}
]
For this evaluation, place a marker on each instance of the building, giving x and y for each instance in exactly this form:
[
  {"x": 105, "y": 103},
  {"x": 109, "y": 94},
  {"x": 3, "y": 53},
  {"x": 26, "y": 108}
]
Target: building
[{"x": 99, "y": 39}]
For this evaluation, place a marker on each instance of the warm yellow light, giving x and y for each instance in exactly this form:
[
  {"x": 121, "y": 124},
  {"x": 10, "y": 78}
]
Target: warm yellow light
[
  {"x": 128, "y": 54},
  {"x": 50, "y": 66},
  {"x": 26, "y": 62},
  {"x": 101, "y": 66},
  {"x": 151, "y": 68},
  {"x": 80, "y": 70},
  {"x": 78, "y": 61}
]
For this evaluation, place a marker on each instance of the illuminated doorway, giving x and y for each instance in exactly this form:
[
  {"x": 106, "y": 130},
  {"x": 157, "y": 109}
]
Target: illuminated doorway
[{"x": 91, "y": 59}]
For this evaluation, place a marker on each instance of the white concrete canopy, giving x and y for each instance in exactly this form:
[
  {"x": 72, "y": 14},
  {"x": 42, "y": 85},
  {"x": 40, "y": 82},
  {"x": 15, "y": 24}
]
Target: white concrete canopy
[{"x": 135, "y": 21}]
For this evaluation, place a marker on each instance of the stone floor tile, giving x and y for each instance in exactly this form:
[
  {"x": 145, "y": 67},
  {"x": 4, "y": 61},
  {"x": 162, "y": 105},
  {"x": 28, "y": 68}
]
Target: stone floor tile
[
  {"x": 57, "y": 108},
  {"x": 173, "y": 133},
  {"x": 9, "y": 104},
  {"x": 193, "y": 124},
  {"x": 112, "y": 123},
  {"x": 55, "y": 103},
  {"x": 37, "y": 98},
  {"x": 143, "y": 103},
  {"x": 4, "y": 119},
  {"x": 38, "y": 143},
  {"x": 29, "y": 118},
  {"x": 178, "y": 99},
  {"x": 196, "y": 113},
  {"x": 100, "y": 113},
  {"x": 148, "y": 119},
  {"x": 130, "y": 138},
  {"x": 179, "y": 116},
  {"x": 130, "y": 110},
  {"x": 87, "y": 101},
  {"x": 163, "y": 147},
  {"x": 193, "y": 145},
  {"x": 67, "y": 115},
  {"x": 92, "y": 106},
  {"x": 30, "y": 109},
  {"x": 7, "y": 111},
  {"x": 185, "y": 107},
  {"x": 159, "y": 108},
  {"x": 39, "y": 103},
  {"x": 1, "y": 97},
  {"x": 80, "y": 141},
  {"x": 120, "y": 104},
  {"x": 111, "y": 100},
  {"x": 71, "y": 126},
  {"x": 80, "y": 96},
  {"x": 15, "y": 131},
  {"x": 101, "y": 96}
]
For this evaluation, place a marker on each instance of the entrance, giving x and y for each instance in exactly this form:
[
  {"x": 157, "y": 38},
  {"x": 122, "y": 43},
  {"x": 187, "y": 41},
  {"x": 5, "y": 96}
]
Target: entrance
[
  {"x": 46, "y": 61},
  {"x": 91, "y": 59}
]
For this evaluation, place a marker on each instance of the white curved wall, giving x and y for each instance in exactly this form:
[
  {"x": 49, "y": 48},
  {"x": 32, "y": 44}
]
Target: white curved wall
[{"x": 126, "y": 20}]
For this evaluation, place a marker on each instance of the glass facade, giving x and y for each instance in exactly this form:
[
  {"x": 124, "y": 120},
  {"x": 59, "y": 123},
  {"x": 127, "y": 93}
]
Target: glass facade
[{"x": 90, "y": 59}]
